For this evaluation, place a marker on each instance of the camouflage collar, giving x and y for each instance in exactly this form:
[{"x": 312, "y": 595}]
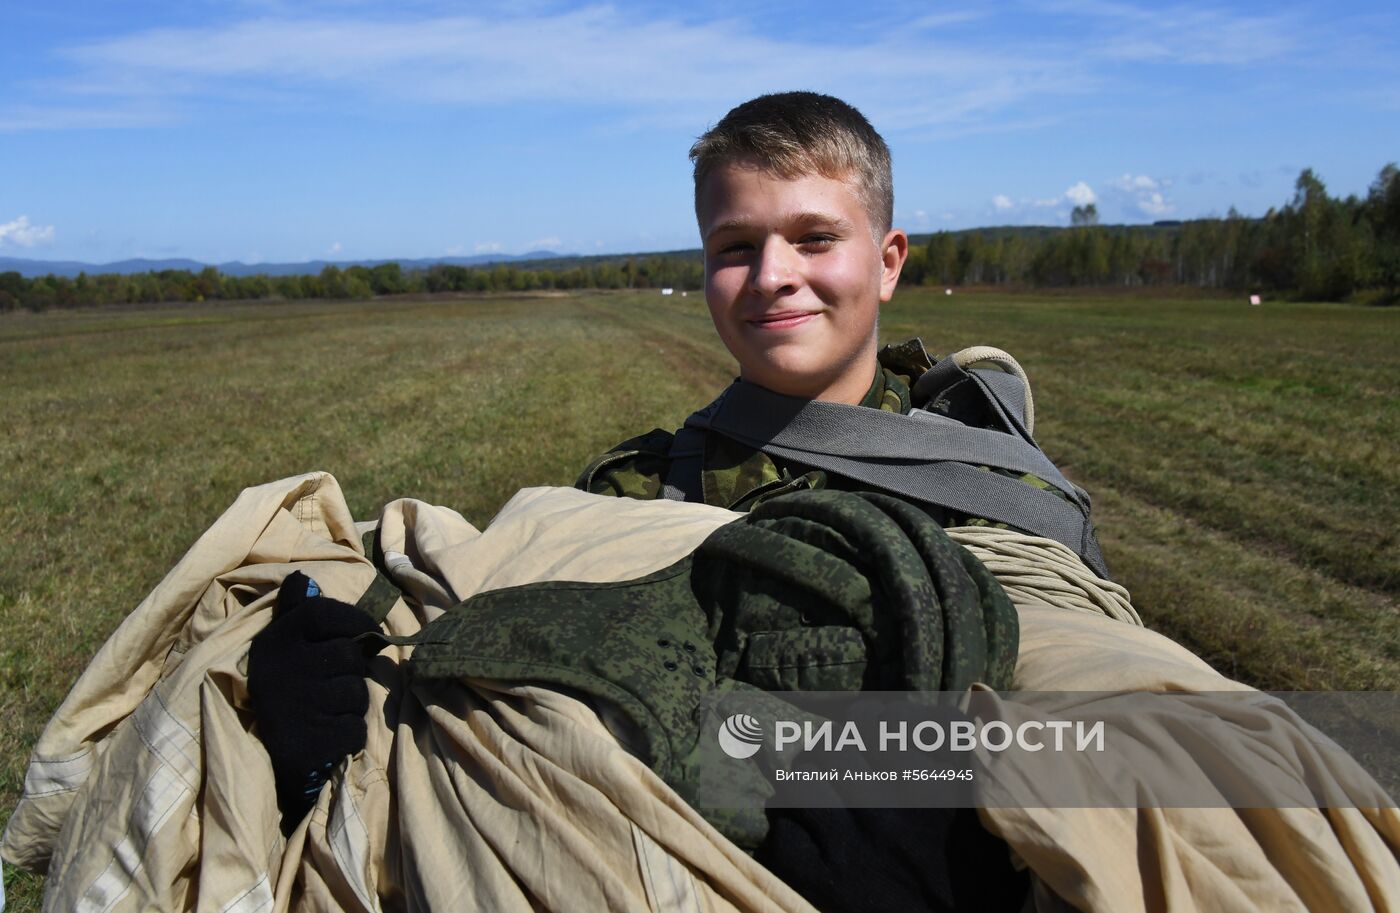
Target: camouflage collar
[{"x": 732, "y": 473}]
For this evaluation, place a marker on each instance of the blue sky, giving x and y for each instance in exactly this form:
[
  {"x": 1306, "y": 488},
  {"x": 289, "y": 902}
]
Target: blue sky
[{"x": 272, "y": 131}]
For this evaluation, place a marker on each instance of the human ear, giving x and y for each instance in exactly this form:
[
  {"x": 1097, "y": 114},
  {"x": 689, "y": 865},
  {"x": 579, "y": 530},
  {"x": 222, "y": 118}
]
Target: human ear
[{"x": 893, "y": 251}]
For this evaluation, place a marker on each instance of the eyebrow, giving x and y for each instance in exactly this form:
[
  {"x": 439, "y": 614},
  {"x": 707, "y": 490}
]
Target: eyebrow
[{"x": 800, "y": 220}]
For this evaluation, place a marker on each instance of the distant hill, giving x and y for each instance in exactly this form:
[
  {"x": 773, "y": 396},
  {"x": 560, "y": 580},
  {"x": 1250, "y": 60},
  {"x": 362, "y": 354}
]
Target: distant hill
[
  {"x": 71, "y": 268},
  {"x": 539, "y": 259}
]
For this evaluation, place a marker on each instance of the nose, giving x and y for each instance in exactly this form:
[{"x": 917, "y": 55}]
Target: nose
[{"x": 773, "y": 272}]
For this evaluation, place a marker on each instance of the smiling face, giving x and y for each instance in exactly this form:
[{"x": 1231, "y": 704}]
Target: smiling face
[{"x": 794, "y": 278}]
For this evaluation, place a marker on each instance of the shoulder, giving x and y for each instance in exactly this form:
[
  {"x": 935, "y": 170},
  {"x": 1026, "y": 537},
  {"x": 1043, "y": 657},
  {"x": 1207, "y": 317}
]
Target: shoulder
[
  {"x": 907, "y": 360},
  {"x": 635, "y": 468}
]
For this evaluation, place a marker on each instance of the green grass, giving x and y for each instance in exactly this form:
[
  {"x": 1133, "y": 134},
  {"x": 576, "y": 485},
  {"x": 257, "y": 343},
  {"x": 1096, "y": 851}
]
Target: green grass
[{"x": 1242, "y": 460}]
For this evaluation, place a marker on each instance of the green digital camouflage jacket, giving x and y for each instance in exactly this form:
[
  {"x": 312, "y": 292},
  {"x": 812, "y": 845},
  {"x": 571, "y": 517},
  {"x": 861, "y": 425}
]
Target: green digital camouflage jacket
[{"x": 739, "y": 477}]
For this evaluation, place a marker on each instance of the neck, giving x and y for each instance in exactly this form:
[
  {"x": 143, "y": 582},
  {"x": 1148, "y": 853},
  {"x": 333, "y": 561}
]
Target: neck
[{"x": 850, "y": 389}]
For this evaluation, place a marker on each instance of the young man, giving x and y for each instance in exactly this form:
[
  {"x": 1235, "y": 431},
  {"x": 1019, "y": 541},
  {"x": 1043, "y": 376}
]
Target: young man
[
  {"x": 794, "y": 199},
  {"x": 794, "y": 203}
]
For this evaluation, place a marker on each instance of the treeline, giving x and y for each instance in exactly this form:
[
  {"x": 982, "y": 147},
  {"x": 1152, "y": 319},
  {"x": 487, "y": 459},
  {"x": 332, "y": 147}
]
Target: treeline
[
  {"x": 209, "y": 284},
  {"x": 1316, "y": 246}
]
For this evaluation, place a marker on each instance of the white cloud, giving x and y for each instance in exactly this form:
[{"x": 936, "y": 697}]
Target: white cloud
[
  {"x": 951, "y": 17},
  {"x": 488, "y": 247},
  {"x": 1081, "y": 194},
  {"x": 1189, "y": 33},
  {"x": 1128, "y": 183},
  {"x": 543, "y": 244},
  {"x": 17, "y": 118},
  {"x": 647, "y": 69},
  {"x": 1142, "y": 193},
  {"x": 334, "y": 249},
  {"x": 1154, "y": 204},
  {"x": 21, "y": 234}
]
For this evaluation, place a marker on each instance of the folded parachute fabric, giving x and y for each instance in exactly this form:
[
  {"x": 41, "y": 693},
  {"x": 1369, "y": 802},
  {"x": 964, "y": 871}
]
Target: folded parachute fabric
[{"x": 149, "y": 789}]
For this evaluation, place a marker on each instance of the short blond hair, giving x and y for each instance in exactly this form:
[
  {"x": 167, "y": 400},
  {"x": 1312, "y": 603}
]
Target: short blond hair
[{"x": 793, "y": 134}]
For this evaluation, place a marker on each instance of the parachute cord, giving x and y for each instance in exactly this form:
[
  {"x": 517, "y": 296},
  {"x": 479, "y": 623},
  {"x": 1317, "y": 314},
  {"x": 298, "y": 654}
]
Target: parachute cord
[{"x": 1036, "y": 571}]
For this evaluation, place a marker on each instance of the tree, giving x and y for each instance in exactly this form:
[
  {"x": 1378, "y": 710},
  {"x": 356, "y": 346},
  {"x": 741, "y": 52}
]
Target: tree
[
  {"x": 40, "y": 295},
  {"x": 1123, "y": 260},
  {"x": 1016, "y": 258},
  {"x": 915, "y": 267},
  {"x": 970, "y": 258},
  {"x": 1085, "y": 215},
  {"x": 1383, "y": 208},
  {"x": 357, "y": 288},
  {"x": 332, "y": 283},
  {"x": 292, "y": 288},
  {"x": 1093, "y": 263},
  {"x": 387, "y": 279},
  {"x": 208, "y": 284},
  {"x": 942, "y": 258},
  {"x": 12, "y": 289},
  {"x": 1307, "y": 212}
]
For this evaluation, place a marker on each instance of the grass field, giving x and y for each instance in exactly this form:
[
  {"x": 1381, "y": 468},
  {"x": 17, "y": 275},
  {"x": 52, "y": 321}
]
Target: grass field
[{"x": 1243, "y": 460}]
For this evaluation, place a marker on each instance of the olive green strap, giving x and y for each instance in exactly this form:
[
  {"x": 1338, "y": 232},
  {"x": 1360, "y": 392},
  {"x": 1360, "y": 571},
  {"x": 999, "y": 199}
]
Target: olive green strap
[{"x": 381, "y": 595}]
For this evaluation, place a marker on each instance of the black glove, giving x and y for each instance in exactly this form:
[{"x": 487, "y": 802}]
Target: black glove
[
  {"x": 306, "y": 679},
  {"x": 846, "y": 858},
  {"x": 853, "y": 860}
]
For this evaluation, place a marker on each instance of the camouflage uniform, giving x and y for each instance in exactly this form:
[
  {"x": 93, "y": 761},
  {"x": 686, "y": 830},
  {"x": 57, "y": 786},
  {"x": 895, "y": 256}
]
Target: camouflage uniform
[{"x": 740, "y": 477}]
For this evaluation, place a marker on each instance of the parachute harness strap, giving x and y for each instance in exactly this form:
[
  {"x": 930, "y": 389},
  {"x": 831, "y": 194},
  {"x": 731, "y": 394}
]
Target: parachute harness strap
[{"x": 992, "y": 357}]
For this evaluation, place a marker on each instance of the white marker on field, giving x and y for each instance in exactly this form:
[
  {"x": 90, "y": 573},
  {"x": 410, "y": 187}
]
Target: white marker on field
[{"x": 1254, "y": 299}]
